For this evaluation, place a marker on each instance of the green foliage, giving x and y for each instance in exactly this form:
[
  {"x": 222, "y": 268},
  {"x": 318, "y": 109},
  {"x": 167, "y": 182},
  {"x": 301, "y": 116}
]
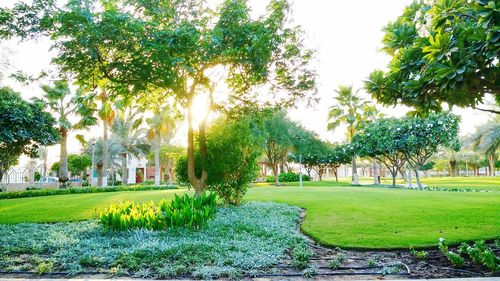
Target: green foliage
[
  {"x": 453, "y": 257},
  {"x": 481, "y": 254},
  {"x": 36, "y": 192},
  {"x": 301, "y": 256},
  {"x": 232, "y": 160},
  {"x": 423, "y": 255},
  {"x": 336, "y": 261},
  {"x": 442, "y": 51},
  {"x": 292, "y": 177},
  {"x": 24, "y": 127},
  {"x": 189, "y": 211},
  {"x": 351, "y": 109},
  {"x": 44, "y": 267}
]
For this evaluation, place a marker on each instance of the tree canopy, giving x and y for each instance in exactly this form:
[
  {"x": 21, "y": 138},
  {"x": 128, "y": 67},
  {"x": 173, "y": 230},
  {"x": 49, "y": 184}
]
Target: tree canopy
[
  {"x": 442, "y": 51},
  {"x": 24, "y": 127}
]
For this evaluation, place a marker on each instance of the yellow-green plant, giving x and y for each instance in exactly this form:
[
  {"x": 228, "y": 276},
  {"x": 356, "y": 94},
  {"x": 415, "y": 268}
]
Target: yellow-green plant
[{"x": 190, "y": 211}]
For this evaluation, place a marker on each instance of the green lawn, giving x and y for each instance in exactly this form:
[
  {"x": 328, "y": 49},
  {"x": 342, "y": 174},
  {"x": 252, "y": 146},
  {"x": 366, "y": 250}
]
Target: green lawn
[
  {"x": 476, "y": 183},
  {"x": 341, "y": 216}
]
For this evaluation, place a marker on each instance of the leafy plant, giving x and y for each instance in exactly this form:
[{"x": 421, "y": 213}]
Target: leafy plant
[
  {"x": 44, "y": 267},
  {"x": 481, "y": 254},
  {"x": 454, "y": 258},
  {"x": 190, "y": 211},
  {"x": 372, "y": 262},
  {"x": 419, "y": 254},
  {"x": 301, "y": 256}
]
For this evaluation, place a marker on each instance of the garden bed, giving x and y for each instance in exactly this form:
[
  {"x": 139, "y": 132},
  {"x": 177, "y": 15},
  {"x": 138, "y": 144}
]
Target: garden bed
[{"x": 252, "y": 240}]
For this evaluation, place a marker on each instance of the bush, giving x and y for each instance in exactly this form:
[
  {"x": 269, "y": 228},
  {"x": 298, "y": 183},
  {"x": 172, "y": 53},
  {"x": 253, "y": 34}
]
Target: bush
[
  {"x": 232, "y": 159},
  {"x": 288, "y": 177},
  {"x": 36, "y": 192},
  {"x": 190, "y": 211}
]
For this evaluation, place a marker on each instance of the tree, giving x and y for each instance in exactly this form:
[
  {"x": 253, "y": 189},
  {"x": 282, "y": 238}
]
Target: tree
[
  {"x": 24, "y": 127},
  {"x": 338, "y": 155},
  {"x": 380, "y": 140},
  {"x": 420, "y": 138},
  {"x": 352, "y": 110},
  {"x": 113, "y": 155},
  {"x": 126, "y": 131},
  {"x": 169, "y": 155},
  {"x": 486, "y": 139},
  {"x": 278, "y": 133},
  {"x": 78, "y": 164},
  {"x": 65, "y": 105},
  {"x": 162, "y": 127},
  {"x": 129, "y": 51},
  {"x": 442, "y": 51}
]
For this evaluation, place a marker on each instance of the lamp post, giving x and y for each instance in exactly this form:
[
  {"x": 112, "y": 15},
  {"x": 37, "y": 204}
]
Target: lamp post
[
  {"x": 300, "y": 170},
  {"x": 92, "y": 172}
]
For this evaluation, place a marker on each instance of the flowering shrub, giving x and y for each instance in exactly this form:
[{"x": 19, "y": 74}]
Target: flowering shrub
[{"x": 181, "y": 211}]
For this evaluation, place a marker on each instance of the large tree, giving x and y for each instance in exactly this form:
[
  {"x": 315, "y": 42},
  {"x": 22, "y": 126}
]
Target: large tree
[
  {"x": 65, "y": 106},
  {"x": 351, "y": 109},
  {"x": 173, "y": 46},
  {"x": 169, "y": 155},
  {"x": 24, "y": 127},
  {"x": 379, "y": 140},
  {"x": 442, "y": 51},
  {"x": 126, "y": 130},
  {"x": 162, "y": 126}
]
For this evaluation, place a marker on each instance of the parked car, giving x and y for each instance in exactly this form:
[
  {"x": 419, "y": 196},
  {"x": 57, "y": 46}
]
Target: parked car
[
  {"x": 49, "y": 179},
  {"x": 75, "y": 180}
]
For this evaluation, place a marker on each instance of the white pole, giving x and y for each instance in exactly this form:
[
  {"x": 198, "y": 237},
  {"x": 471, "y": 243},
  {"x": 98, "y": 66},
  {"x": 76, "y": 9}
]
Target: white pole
[
  {"x": 300, "y": 170},
  {"x": 92, "y": 172}
]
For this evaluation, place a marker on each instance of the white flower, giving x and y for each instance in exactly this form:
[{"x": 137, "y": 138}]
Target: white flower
[
  {"x": 441, "y": 240},
  {"x": 440, "y": 122},
  {"x": 398, "y": 129},
  {"x": 429, "y": 125}
]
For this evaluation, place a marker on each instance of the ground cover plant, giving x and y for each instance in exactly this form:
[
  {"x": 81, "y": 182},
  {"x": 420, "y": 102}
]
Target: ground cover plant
[
  {"x": 239, "y": 240},
  {"x": 339, "y": 215},
  {"x": 189, "y": 211}
]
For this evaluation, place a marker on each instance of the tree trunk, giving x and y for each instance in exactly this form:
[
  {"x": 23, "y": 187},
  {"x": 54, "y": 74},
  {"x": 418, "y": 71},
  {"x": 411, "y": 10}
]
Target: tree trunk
[
  {"x": 335, "y": 173},
  {"x": 491, "y": 161},
  {"x": 275, "y": 173},
  {"x": 99, "y": 175},
  {"x": 417, "y": 176},
  {"x": 453, "y": 166},
  {"x": 199, "y": 184},
  {"x": 63, "y": 158},
  {"x": 374, "y": 173},
  {"x": 124, "y": 169},
  {"x": 354, "y": 172},
  {"x": 157, "y": 166},
  {"x": 1, "y": 175}
]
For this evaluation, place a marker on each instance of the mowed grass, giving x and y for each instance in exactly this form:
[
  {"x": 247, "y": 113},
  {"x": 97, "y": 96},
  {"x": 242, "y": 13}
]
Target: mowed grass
[
  {"x": 345, "y": 216},
  {"x": 72, "y": 207},
  {"x": 474, "y": 183},
  {"x": 358, "y": 217}
]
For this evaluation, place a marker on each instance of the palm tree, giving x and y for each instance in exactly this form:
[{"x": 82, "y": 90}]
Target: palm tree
[
  {"x": 127, "y": 132},
  {"x": 352, "y": 110},
  {"x": 114, "y": 150},
  {"x": 486, "y": 139},
  {"x": 161, "y": 130},
  {"x": 63, "y": 104}
]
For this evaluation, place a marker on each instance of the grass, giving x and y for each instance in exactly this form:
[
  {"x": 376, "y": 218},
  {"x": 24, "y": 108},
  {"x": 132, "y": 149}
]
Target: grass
[
  {"x": 475, "y": 183},
  {"x": 337, "y": 215}
]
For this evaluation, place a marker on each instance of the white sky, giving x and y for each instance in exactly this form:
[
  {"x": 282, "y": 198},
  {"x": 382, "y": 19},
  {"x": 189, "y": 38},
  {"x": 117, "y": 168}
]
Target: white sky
[{"x": 346, "y": 34}]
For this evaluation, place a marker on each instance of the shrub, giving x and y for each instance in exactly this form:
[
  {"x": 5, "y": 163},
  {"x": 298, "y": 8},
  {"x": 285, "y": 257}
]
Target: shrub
[
  {"x": 288, "y": 177},
  {"x": 190, "y": 211},
  {"x": 232, "y": 159},
  {"x": 35, "y": 191}
]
